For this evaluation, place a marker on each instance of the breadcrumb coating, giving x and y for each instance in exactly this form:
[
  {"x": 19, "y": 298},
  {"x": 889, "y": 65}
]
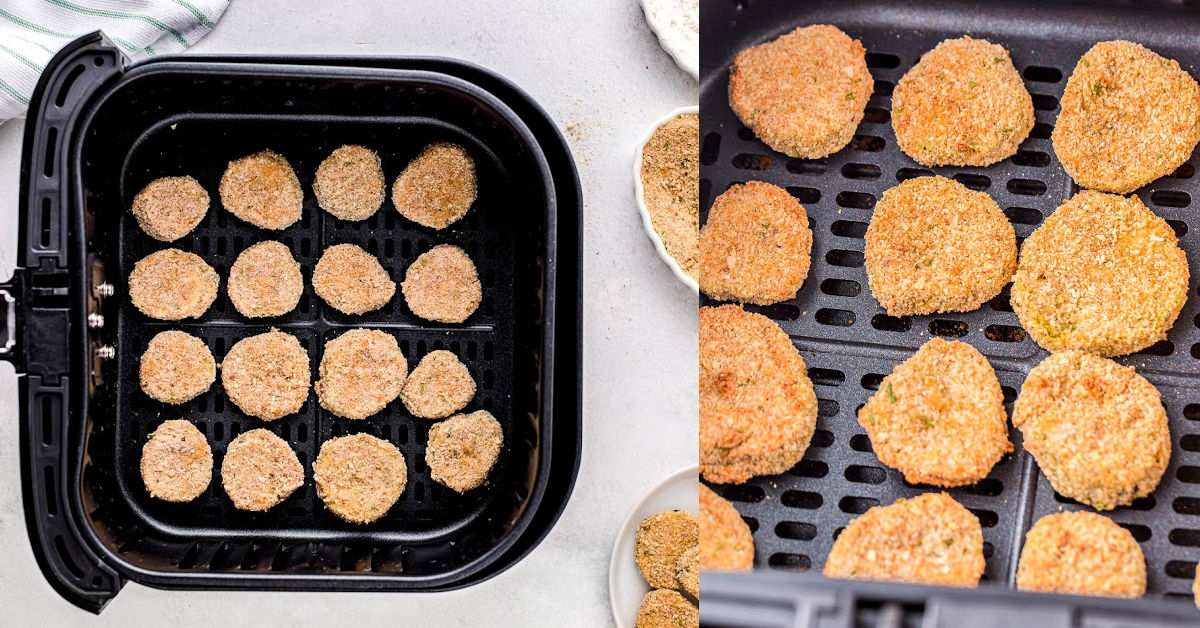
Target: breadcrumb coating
[
  {"x": 267, "y": 375},
  {"x": 660, "y": 540},
  {"x": 1081, "y": 553},
  {"x": 176, "y": 367},
  {"x": 725, "y": 540},
  {"x": 349, "y": 183},
  {"x": 265, "y": 280},
  {"x": 359, "y": 477},
  {"x": 170, "y": 207},
  {"x": 437, "y": 187},
  {"x": 263, "y": 190},
  {"x": 260, "y": 470},
  {"x": 176, "y": 462},
  {"x": 171, "y": 285}
]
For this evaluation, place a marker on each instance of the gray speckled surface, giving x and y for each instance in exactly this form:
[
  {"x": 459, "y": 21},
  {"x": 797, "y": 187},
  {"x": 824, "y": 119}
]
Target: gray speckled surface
[{"x": 598, "y": 70}]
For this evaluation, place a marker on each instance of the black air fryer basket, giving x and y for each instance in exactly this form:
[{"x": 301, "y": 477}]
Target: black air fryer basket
[
  {"x": 850, "y": 344},
  {"x": 98, "y": 130}
]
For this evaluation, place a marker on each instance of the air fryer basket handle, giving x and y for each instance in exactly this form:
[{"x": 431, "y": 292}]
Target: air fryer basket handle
[{"x": 45, "y": 329}]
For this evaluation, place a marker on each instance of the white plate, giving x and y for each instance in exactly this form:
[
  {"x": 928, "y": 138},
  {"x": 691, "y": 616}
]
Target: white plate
[
  {"x": 676, "y": 24},
  {"x": 640, "y": 194},
  {"x": 626, "y": 587}
]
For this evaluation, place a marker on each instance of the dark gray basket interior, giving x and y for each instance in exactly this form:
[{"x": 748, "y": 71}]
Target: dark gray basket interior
[{"x": 847, "y": 340}]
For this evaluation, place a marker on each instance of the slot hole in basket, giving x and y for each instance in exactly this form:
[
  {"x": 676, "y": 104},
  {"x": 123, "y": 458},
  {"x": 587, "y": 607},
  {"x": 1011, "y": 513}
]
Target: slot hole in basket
[
  {"x": 777, "y": 311},
  {"x": 883, "y": 322},
  {"x": 1008, "y": 393},
  {"x": 1042, "y": 74},
  {"x": 1140, "y": 533},
  {"x": 844, "y": 258},
  {"x": 827, "y": 407},
  {"x": 841, "y": 287},
  {"x": 1180, "y": 569},
  {"x": 882, "y": 60},
  {"x": 883, "y": 88},
  {"x": 977, "y": 182},
  {"x": 1190, "y": 475},
  {"x": 826, "y": 377},
  {"x": 1031, "y": 158},
  {"x": 822, "y": 438},
  {"x": 44, "y": 236},
  {"x": 855, "y": 200},
  {"x": 804, "y": 195},
  {"x": 871, "y": 381},
  {"x": 865, "y": 172},
  {"x": 801, "y": 499},
  {"x": 1160, "y": 348},
  {"x": 1184, "y": 171},
  {"x": 848, "y": 228},
  {"x": 710, "y": 148},
  {"x": 747, "y": 161},
  {"x": 810, "y": 469},
  {"x": 904, "y": 174},
  {"x": 987, "y": 518},
  {"x": 796, "y": 530},
  {"x": 865, "y": 474},
  {"x": 810, "y": 167},
  {"x": 51, "y": 149},
  {"x": 1044, "y": 102},
  {"x": 877, "y": 115},
  {"x": 1026, "y": 187},
  {"x": 861, "y": 442},
  {"x": 1186, "y": 505},
  {"x": 789, "y": 562},
  {"x": 1191, "y": 412},
  {"x": 1190, "y": 442},
  {"x": 837, "y": 318},
  {"x": 1170, "y": 198},
  {"x": 987, "y": 487},
  {"x": 747, "y": 493},
  {"x": 1023, "y": 215},
  {"x": 948, "y": 328},
  {"x": 705, "y": 201},
  {"x": 751, "y": 523},
  {"x": 1179, "y": 227},
  {"x": 1004, "y": 333},
  {"x": 1041, "y": 131},
  {"x": 867, "y": 143},
  {"x": 1185, "y": 537},
  {"x": 853, "y": 505}
]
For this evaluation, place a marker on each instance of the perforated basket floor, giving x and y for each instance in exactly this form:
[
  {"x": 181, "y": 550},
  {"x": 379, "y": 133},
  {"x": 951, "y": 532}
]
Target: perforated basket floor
[{"x": 847, "y": 340}]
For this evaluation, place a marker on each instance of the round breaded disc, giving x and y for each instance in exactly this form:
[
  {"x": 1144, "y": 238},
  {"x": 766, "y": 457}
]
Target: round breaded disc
[
  {"x": 349, "y": 183},
  {"x": 755, "y": 246},
  {"x": 176, "y": 367},
  {"x": 437, "y": 187},
  {"x": 934, "y": 245},
  {"x": 1081, "y": 553},
  {"x": 687, "y": 571},
  {"x": 176, "y": 462},
  {"x": 260, "y": 470},
  {"x": 267, "y": 375},
  {"x": 361, "y": 371},
  {"x": 939, "y": 417},
  {"x": 660, "y": 540},
  {"x": 442, "y": 285},
  {"x": 1097, "y": 429},
  {"x": 463, "y": 449},
  {"x": 263, "y": 190},
  {"x": 169, "y": 208},
  {"x": 352, "y": 280},
  {"x": 440, "y": 386},
  {"x": 758, "y": 410},
  {"x": 962, "y": 104},
  {"x": 359, "y": 477},
  {"x": 1102, "y": 274},
  {"x": 725, "y": 540},
  {"x": 171, "y": 285},
  {"x": 804, "y": 93},
  {"x": 930, "y": 539},
  {"x": 661, "y": 608},
  {"x": 1129, "y": 116},
  {"x": 265, "y": 280}
]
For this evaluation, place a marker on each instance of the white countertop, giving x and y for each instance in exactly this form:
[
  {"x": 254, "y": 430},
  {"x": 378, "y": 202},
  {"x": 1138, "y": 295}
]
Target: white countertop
[{"x": 598, "y": 70}]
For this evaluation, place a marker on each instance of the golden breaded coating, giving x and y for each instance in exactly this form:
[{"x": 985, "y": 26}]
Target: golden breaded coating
[
  {"x": 725, "y": 540},
  {"x": 437, "y": 187},
  {"x": 661, "y": 608},
  {"x": 440, "y": 386},
  {"x": 263, "y": 190},
  {"x": 660, "y": 540},
  {"x": 687, "y": 571},
  {"x": 804, "y": 93},
  {"x": 442, "y": 285},
  {"x": 1196, "y": 587},
  {"x": 349, "y": 183},
  {"x": 176, "y": 367},
  {"x": 351, "y": 280},
  {"x": 930, "y": 539},
  {"x": 265, "y": 280},
  {"x": 260, "y": 470},
  {"x": 171, "y": 285},
  {"x": 755, "y": 246},
  {"x": 361, "y": 372},
  {"x": 267, "y": 375},
  {"x": 934, "y": 245},
  {"x": 758, "y": 410},
  {"x": 1097, "y": 429},
  {"x": 1129, "y": 116},
  {"x": 962, "y": 104},
  {"x": 1081, "y": 553},
  {"x": 939, "y": 417},
  {"x": 463, "y": 449},
  {"x": 1102, "y": 274},
  {"x": 169, "y": 208},
  {"x": 359, "y": 477},
  {"x": 176, "y": 462}
]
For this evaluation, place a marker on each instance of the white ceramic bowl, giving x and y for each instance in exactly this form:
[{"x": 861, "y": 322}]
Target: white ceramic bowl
[
  {"x": 626, "y": 587},
  {"x": 640, "y": 194},
  {"x": 674, "y": 22}
]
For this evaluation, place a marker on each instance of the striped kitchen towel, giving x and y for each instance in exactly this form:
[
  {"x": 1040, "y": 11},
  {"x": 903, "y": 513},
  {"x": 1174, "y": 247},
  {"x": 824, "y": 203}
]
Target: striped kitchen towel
[{"x": 31, "y": 31}]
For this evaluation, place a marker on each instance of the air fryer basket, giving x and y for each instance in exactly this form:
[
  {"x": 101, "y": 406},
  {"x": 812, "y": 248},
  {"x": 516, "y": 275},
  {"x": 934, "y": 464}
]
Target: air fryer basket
[
  {"x": 98, "y": 132},
  {"x": 850, "y": 344}
]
